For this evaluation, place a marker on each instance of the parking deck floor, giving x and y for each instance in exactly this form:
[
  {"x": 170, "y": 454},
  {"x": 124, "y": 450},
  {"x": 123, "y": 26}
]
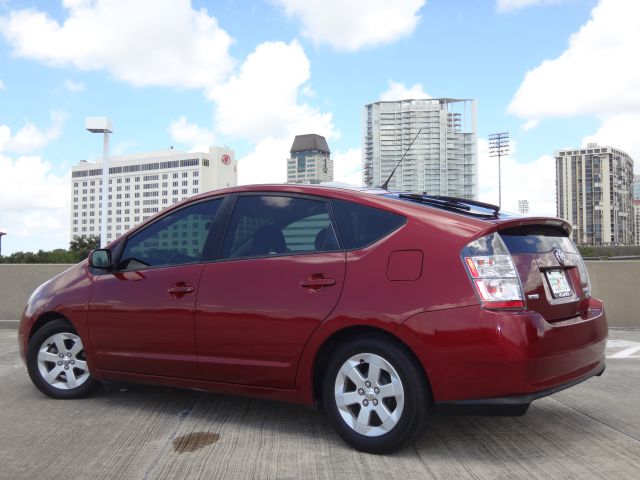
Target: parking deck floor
[{"x": 140, "y": 432}]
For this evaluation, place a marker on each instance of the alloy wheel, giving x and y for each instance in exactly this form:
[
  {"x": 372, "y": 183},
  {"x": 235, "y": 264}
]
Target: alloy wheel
[
  {"x": 369, "y": 394},
  {"x": 61, "y": 361}
]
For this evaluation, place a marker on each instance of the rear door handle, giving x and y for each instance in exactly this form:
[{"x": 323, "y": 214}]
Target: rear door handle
[
  {"x": 317, "y": 283},
  {"x": 180, "y": 289}
]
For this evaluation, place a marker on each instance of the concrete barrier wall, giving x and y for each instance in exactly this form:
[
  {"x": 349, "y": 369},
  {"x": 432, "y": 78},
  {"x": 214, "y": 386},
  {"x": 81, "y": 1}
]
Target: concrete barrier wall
[
  {"x": 616, "y": 282},
  {"x": 18, "y": 281}
]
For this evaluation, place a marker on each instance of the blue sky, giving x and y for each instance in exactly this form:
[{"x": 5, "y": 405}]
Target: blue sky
[{"x": 252, "y": 74}]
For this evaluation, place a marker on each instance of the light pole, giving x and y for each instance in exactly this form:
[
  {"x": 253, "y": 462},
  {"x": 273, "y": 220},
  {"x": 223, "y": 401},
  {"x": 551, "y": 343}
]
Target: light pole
[
  {"x": 1, "y": 234},
  {"x": 499, "y": 147},
  {"x": 102, "y": 125}
]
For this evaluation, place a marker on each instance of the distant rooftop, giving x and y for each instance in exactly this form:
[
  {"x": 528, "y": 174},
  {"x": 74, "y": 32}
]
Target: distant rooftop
[
  {"x": 439, "y": 100},
  {"x": 589, "y": 149},
  {"x": 310, "y": 142},
  {"x": 154, "y": 155}
]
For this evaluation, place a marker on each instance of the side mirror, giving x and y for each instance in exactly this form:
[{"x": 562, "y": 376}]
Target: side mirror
[{"x": 100, "y": 258}]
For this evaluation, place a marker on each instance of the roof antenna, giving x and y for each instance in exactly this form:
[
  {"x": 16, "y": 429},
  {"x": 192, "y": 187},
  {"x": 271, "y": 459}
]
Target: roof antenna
[{"x": 386, "y": 183}]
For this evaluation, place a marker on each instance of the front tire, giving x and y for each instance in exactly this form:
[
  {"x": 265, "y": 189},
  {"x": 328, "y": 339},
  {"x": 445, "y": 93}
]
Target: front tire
[
  {"x": 376, "y": 394},
  {"x": 56, "y": 362}
]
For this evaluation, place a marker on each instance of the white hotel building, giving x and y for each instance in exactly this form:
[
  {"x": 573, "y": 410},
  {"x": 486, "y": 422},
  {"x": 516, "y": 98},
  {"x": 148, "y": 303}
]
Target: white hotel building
[{"x": 141, "y": 185}]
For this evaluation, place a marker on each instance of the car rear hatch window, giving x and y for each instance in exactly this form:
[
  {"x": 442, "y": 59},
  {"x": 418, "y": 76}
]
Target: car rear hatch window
[{"x": 552, "y": 273}]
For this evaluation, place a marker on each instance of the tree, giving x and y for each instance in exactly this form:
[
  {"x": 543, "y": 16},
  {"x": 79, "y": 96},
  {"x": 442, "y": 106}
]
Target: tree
[
  {"x": 81, "y": 246},
  {"x": 59, "y": 255}
]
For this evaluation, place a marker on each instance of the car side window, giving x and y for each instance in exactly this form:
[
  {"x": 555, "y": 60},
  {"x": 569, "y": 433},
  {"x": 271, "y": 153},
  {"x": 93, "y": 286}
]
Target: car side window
[
  {"x": 267, "y": 225},
  {"x": 360, "y": 226},
  {"x": 177, "y": 238}
]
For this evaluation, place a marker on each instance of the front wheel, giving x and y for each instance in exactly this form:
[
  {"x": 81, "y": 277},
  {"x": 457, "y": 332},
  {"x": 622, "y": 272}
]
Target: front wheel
[
  {"x": 56, "y": 362},
  {"x": 376, "y": 394}
]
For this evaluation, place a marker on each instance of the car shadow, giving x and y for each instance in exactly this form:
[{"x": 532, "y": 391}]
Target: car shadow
[{"x": 548, "y": 428}]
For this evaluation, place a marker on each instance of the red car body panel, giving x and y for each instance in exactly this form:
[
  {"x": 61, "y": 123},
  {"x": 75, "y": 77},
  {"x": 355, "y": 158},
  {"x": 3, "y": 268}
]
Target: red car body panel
[
  {"x": 67, "y": 295},
  {"x": 503, "y": 354},
  {"x": 249, "y": 327},
  {"x": 253, "y": 317},
  {"x": 137, "y": 326}
]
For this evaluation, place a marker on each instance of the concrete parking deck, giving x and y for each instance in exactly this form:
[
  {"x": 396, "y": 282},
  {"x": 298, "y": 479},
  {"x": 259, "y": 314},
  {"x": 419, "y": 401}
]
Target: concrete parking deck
[{"x": 140, "y": 432}]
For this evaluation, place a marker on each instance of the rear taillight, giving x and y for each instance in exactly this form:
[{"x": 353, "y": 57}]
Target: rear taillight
[{"x": 492, "y": 273}]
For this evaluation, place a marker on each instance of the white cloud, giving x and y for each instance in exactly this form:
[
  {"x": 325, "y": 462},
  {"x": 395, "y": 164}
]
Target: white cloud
[
  {"x": 529, "y": 125},
  {"x": 35, "y": 205},
  {"x": 509, "y": 5},
  {"x": 349, "y": 25},
  {"x": 307, "y": 91},
  {"x": 263, "y": 98},
  {"x": 73, "y": 86},
  {"x": 262, "y": 103},
  {"x": 347, "y": 166},
  {"x": 596, "y": 74},
  {"x": 30, "y": 137},
  {"x": 619, "y": 131},
  {"x": 123, "y": 147},
  {"x": 197, "y": 137},
  {"x": 266, "y": 163},
  {"x": 2, "y": 86},
  {"x": 143, "y": 42},
  {"x": 399, "y": 91},
  {"x": 534, "y": 181}
]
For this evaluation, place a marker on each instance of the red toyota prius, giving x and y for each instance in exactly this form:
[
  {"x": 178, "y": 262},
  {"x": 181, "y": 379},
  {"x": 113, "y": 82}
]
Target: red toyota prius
[{"x": 381, "y": 307}]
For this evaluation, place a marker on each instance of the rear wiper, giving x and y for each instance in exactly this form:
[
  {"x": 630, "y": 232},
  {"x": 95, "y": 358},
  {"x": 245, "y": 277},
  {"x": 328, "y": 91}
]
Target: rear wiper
[{"x": 452, "y": 203}]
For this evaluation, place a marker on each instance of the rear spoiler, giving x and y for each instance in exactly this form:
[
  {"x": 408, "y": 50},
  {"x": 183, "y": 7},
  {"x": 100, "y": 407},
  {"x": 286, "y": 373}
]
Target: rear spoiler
[{"x": 546, "y": 221}]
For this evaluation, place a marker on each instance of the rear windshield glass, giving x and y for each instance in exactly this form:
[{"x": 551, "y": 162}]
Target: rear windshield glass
[
  {"x": 360, "y": 226},
  {"x": 536, "y": 240}
]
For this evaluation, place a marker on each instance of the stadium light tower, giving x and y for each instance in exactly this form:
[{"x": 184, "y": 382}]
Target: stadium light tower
[
  {"x": 523, "y": 206},
  {"x": 499, "y": 147},
  {"x": 102, "y": 125},
  {"x": 1, "y": 234}
]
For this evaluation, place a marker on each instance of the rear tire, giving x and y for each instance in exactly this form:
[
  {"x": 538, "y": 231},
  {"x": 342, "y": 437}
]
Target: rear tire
[
  {"x": 56, "y": 362},
  {"x": 376, "y": 394}
]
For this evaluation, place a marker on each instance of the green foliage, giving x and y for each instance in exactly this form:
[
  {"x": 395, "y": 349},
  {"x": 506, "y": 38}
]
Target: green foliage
[
  {"x": 78, "y": 250},
  {"x": 609, "y": 251},
  {"x": 83, "y": 245},
  {"x": 586, "y": 251}
]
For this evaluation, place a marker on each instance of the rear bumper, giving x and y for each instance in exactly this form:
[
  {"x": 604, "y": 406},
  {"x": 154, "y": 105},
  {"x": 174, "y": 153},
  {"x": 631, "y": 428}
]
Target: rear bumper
[
  {"x": 479, "y": 356},
  {"x": 479, "y": 405}
]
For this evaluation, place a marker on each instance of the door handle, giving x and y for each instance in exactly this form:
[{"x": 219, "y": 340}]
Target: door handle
[
  {"x": 317, "y": 283},
  {"x": 180, "y": 289}
]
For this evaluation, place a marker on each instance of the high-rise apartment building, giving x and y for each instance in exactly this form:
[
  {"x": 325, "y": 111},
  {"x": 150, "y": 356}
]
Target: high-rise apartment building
[
  {"x": 310, "y": 160},
  {"x": 443, "y": 160},
  {"x": 636, "y": 209},
  {"x": 636, "y": 221},
  {"x": 141, "y": 185},
  {"x": 594, "y": 193}
]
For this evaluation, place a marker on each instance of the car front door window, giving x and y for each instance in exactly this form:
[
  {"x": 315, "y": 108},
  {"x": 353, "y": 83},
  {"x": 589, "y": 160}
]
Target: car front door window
[{"x": 176, "y": 239}]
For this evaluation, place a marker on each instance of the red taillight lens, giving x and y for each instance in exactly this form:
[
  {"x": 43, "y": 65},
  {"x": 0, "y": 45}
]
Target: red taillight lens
[{"x": 494, "y": 275}]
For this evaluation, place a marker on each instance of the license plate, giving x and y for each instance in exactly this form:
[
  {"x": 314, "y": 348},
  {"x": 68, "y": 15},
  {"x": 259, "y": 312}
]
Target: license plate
[{"x": 559, "y": 285}]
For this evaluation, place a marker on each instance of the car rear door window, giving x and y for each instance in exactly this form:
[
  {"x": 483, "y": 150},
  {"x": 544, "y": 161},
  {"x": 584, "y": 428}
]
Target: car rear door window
[
  {"x": 178, "y": 238},
  {"x": 360, "y": 226},
  {"x": 267, "y": 225}
]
